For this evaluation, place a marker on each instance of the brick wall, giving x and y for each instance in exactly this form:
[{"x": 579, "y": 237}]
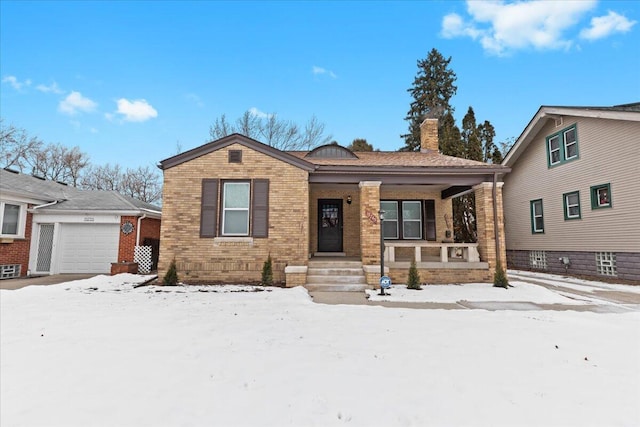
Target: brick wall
[
  {"x": 369, "y": 222},
  {"x": 443, "y": 276},
  {"x": 485, "y": 223},
  {"x": 17, "y": 252},
  {"x": 149, "y": 227},
  {"x": 350, "y": 216},
  {"x": 233, "y": 260}
]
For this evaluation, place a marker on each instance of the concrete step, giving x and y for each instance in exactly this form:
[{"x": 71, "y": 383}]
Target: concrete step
[
  {"x": 334, "y": 264},
  {"x": 337, "y": 279},
  {"x": 332, "y": 287},
  {"x": 315, "y": 271}
]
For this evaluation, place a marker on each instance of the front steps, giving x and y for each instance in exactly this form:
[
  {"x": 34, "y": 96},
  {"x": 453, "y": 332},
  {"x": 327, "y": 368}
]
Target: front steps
[{"x": 335, "y": 275}]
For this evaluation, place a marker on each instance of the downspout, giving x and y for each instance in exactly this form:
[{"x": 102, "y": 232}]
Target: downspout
[
  {"x": 495, "y": 218},
  {"x": 140, "y": 218},
  {"x": 45, "y": 205}
]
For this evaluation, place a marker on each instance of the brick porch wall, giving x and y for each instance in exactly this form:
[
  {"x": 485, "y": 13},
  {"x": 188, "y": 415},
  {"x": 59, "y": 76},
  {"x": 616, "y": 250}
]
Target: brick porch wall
[
  {"x": 443, "y": 276},
  {"x": 369, "y": 222},
  {"x": 485, "y": 223},
  {"x": 17, "y": 252}
]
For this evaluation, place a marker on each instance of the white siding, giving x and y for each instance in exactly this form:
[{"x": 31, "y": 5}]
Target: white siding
[{"x": 609, "y": 152}]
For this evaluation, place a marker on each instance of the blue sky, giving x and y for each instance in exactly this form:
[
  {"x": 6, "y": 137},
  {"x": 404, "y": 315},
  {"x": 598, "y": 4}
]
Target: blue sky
[{"x": 127, "y": 81}]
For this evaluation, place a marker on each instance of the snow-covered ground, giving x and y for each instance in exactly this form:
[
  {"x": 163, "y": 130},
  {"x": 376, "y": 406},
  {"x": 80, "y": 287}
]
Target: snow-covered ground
[{"x": 101, "y": 352}]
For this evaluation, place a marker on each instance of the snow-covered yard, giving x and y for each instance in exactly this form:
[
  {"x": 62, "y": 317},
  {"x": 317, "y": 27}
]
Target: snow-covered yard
[{"x": 101, "y": 352}]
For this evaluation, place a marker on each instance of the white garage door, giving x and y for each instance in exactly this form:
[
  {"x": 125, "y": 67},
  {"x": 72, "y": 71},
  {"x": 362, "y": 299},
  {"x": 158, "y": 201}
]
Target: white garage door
[{"x": 88, "y": 248}]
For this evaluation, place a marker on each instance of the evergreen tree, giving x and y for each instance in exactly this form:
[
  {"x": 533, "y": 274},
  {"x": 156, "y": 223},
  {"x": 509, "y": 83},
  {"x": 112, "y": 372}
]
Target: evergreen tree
[
  {"x": 450, "y": 138},
  {"x": 413, "y": 282},
  {"x": 500, "y": 278},
  {"x": 432, "y": 89},
  {"x": 171, "y": 278},
  {"x": 471, "y": 136},
  {"x": 267, "y": 272},
  {"x": 490, "y": 152}
]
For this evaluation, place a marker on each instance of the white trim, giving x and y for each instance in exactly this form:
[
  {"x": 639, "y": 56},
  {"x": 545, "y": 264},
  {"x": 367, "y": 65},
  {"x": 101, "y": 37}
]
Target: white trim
[{"x": 22, "y": 219}]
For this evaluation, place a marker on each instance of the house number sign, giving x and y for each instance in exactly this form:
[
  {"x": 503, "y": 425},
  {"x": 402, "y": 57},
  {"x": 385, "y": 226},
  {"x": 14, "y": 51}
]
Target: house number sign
[{"x": 372, "y": 216}]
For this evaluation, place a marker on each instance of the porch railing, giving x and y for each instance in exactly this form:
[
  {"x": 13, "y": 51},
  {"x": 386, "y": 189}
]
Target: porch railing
[{"x": 456, "y": 252}]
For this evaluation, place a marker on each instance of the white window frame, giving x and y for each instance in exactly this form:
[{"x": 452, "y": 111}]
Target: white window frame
[
  {"x": 22, "y": 219},
  {"x": 568, "y": 205},
  {"x": 551, "y": 150},
  {"x": 567, "y": 144},
  {"x": 419, "y": 220},
  {"x": 534, "y": 227},
  {"x": 225, "y": 209},
  {"x": 396, "y": 220}
]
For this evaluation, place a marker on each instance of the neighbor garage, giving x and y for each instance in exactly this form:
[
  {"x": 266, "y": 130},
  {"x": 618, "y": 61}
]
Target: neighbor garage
[{"x": 88, "y": 248}]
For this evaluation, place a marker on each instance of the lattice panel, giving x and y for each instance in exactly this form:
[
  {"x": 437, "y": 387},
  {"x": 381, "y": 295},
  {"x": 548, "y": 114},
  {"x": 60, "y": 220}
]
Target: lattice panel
[{"x": 142, "y": 255}]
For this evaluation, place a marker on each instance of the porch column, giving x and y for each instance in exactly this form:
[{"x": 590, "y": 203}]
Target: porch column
[
  {"x": 369, "y": 222},
  {"x": 485, "y": 222}
]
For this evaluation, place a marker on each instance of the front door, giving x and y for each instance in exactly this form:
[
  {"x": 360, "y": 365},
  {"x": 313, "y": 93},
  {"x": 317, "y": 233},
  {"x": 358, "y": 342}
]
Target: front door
[{"x": 330, "y": 225}]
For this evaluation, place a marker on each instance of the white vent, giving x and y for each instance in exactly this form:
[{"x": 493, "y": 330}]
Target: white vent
[
  {"x": 558, "y": 121},
  {"x": 10, "y": 271}
]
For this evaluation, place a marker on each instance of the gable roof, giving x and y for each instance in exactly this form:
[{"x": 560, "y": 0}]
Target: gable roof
[
  {"x": 70, "y": 198},
  {"x": 235, "y": 138},
  {"x": 630, "y": 112}
]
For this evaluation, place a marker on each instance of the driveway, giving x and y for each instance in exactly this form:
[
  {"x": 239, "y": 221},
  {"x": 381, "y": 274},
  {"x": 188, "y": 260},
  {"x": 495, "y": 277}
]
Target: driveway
[{"x": 42, "y": 280}]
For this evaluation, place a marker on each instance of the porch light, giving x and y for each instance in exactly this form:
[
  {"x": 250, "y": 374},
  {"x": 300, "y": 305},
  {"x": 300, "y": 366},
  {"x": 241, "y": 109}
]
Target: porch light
[
  {"x": 381, "y": 214},
  {"x": 349, "y": 199}
]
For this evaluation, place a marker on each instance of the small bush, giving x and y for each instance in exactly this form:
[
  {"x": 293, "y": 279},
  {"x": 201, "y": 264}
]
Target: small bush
[
  {"x": 413, "y": 282},
  {"x": 267, "y": 273},
  {"x": 500, "y": 278},
  {"x": 171, "y": 278}
]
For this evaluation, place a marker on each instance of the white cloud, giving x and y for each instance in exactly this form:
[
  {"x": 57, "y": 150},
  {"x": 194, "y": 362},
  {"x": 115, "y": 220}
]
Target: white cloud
[
  {"x": 75, "y": 103},
  {"x": 195, "y": 99},
  {"x": 319, "y": 70},
  {"x": 15, "y": 83},
  {"x": 138, "y": 110},
  {"x": 502, "y": 27},
  {"x": 260, "y": 114},
  {"x": 52, "y": 88},
  {"x": 603, "y": 26}
]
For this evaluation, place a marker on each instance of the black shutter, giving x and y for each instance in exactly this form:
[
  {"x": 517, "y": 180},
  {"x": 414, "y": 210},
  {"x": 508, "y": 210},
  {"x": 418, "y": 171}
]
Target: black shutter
[
  {"x": 209, "y": 208},
  {"x": 430, "y": 219},
  {"x": 260, "y": 208}
]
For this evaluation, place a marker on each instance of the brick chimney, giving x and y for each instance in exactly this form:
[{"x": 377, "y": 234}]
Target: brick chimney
[{"x": 429, "y": 135}]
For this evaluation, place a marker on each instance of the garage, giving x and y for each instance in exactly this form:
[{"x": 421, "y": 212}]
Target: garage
[{"x": 88, "y": 248}]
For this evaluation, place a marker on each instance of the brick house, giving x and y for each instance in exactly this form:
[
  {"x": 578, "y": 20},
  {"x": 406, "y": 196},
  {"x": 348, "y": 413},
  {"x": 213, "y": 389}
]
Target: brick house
[
  {"x": 571, "y": 201},
  {"x": 51, "y": 228},
  {"x": 230, "y": 203}
]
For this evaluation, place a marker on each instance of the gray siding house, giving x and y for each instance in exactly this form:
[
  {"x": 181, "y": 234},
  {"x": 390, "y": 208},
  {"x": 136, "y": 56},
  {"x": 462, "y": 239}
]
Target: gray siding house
[{"x": 572, "y": 200}]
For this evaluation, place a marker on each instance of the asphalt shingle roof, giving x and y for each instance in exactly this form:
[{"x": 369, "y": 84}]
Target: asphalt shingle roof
[{"x": 69, "y": 198}]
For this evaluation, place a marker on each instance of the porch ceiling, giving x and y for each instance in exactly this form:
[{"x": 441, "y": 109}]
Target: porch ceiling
[{"x": 462, "y": 179}]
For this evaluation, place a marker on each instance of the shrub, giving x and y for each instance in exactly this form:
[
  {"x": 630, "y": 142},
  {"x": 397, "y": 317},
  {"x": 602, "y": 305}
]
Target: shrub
[
  {"x": 500, "y": 278},
  {"x": 267, "y": 273},
  {"x": 171, "y": 278},
  {"x": 413, "y": 282}
]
